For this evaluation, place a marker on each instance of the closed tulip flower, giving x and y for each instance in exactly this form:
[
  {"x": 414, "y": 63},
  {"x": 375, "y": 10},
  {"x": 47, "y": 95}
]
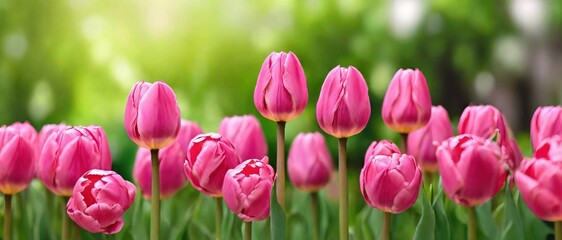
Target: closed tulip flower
[
  {"x": 310, "y": 164},
  {"x": 407, "y": 104},
  {"x": 152, "y": 116},
  {"x": 99, "y": 200},
  {"x": 546, "y": 122},
  {"x": 422, "y": 143},
  {"x": 247, "y": 189},
  {"x": 172, "y": 176},
  {"x": 281, "y": 93},
  {"x": 390, "y": 183},
  {"x": 209, "y": 156},
  {"x": 382, "y": 147},
  {"x": 471, "y": 169},
  {"x": 245, "y": 133},
  {"x": 18, "y": 154},
  {"x": 343, "y": 108},
  {"x": 69, "y": 154}
]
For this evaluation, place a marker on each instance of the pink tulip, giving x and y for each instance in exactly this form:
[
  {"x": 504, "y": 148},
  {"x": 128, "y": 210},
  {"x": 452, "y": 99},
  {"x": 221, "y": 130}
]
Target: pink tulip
[
  {"x": 18, "y": 154},
  {"x": 422, "y": 143},
  {"x": 247, "y": 189},
  {"x": 152, "y": 116},
  {"x": 382, "y": 147},
  {"x": 407, "y": 104},
  {"x": 343, "y": 108},
  {"x": 546, "y": 122},
  {"x": 245, "y": 133},
  {"x": 209, "y": 156},
  {"x": 390, "y": 183},
  {"x": 310, "y": 164},
  {"x": 99, "y": 200},
  {"x": 281, "y": 93},
  {"x": 471, "y": 169},
  {"x": 172, "y": 176},
  {"x": 69, "y": 154}
]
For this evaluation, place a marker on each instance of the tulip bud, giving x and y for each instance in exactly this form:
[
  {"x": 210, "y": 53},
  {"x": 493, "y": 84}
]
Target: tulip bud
[
  {"x": 390, "y": 183},
  {"x": 171, "y": 159},
  {"x": 69, "y": 154},
  {"x": 343, "y": 108},
  {"x": 209, "y": 156},
  {"x": 247, "y": 189},
  {"x": 18, "y": 154},
  {"x": 245, "y": 133},
  {"x": 422, "y": 143},
  {"x": 152, "y": 116},
  {"x": 382, "y": 147},
  {"x": 99, "y": 200},
  {"x": 281, "y": 93},
  {"x": 407, "y": 104},
  {"x": 546, "y": 122},
  {"x": 310, "y": 164},
  {"x": 471, "y": 169}
]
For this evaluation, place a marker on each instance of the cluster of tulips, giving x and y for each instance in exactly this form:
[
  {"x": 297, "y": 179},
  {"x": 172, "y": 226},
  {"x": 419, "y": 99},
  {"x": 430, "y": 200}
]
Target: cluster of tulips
[{"x": 232, "y": 165}]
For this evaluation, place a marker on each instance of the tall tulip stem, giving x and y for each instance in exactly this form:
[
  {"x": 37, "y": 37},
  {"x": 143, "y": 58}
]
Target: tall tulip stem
[
  {"x": 218, "y": 217},
  {"x": 404, "y": 138},
  {"x": 280, "y": 186},
  {"x": 558, "y": 230},
  {"x": 66, "y": 224},
  {"x": 387, "y": 218},
  {"x": 314, "y": 202},
  {"x": 8, "y": 216},
  {"x": 248, "y": 231},
  {"x": 472, "y": 231},
  {"x": 342, "y": 152},
  {"x": 155, "y": 213}
]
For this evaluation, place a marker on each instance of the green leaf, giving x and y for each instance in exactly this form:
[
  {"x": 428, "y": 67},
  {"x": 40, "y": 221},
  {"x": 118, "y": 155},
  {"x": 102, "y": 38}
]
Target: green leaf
[
  {"x": 512, "y": 225},
  {"x": 226, "y": 224},
  {"x": 486, "y": 222},
  {"x": 442, "y": 228},
  {"x": 426, "y": 225},
  {"x": 277, "y": 219}
]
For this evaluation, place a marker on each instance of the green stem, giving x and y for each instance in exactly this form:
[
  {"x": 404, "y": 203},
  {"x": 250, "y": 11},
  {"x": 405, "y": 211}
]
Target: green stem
[
  {"x": 314, "y": 202},
  {"x": 247, "y": 230},
  {"x": 558, "y": 230},
  {"x": 155, "y": 213},
  {"x": 280, "y": 186},
  {"x": 472, "y": 228},
  {"x": 404, "y": 138},
  {"x": 342, "y": 151},
  {"x": 66, "y": 223},
  {"x": 387, "y": 218},
  {"x": 218, "y": 217},
  {"x": 8, "y": 216}
]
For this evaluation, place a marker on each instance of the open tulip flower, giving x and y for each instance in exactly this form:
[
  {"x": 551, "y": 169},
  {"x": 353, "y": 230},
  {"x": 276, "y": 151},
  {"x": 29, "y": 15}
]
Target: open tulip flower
[
  {"x": 546, "y": 122},
  {"x": 310, "y": 164},
  {"x": 245, "y": 133},
  {"x": 99, "y": 200},
  {"x": 382, "y": 147},
  {"x": 18, "y": 154}
]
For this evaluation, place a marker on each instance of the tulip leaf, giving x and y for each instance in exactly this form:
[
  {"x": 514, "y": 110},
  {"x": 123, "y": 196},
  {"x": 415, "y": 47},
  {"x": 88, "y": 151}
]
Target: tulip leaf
[
  {"x": 442, "y": 229},
  {"x": 485, "y": 220},
  {"x": 324, "y": 218},
  {"x": 226, "y": 224},
  {"x": 426, "y": 224},
  {"x": 277, "y": 219}
]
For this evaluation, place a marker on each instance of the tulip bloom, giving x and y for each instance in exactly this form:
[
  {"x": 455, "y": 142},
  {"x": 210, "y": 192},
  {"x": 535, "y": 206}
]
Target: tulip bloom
[
  {"x": 245, "y": 133},
  {"x": 172, "y": 176},
  {"x": 18, "y": 154},
  {"x": 382, "y": 147},
  {"x": 99, "y": 200},
  {"x": 281, "y": 93},
  {"x": 69, "y": 154},
  {"x": 546, "y": 122},
  {"x": 471, "y": 169},
  {"x": 152, "y": 116},
  {"x": 310, "y": 164},
  {"x": 247, "y": 189},
  {"x": 422, "y": 143},
  {"x": 343, "y": 108},
  {"x": 407, "y": 104},
  {"x": 209, "y": 156},
  {"x": 390, "y": 183}
]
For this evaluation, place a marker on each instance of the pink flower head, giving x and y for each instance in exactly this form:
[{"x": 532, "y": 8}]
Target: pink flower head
[
  {"x": 310, "y": 164},
  {"x": 245, "y": 133},
  {"x": 152, "y": 116},
  {"x": 422, "y": 143},
  {"x": 343, "y": 108},
  {"x": 69, "y": 154},
  {"x": 382, "y": 147},
  {"x": 546, "y": 122},
  {"x": 471, "y": 169},
  {"x": 281, "y": 93},
  {"x": 407, "y": 103},
  {"x": 209, "y": 156},
  {"x": 18, "y": 154},
  {"x": 247, "y": 189},
  {"x": 390, "y": 183},
  {"x": 172, "y": 176},
  {"x": 99, "y": 200}
]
